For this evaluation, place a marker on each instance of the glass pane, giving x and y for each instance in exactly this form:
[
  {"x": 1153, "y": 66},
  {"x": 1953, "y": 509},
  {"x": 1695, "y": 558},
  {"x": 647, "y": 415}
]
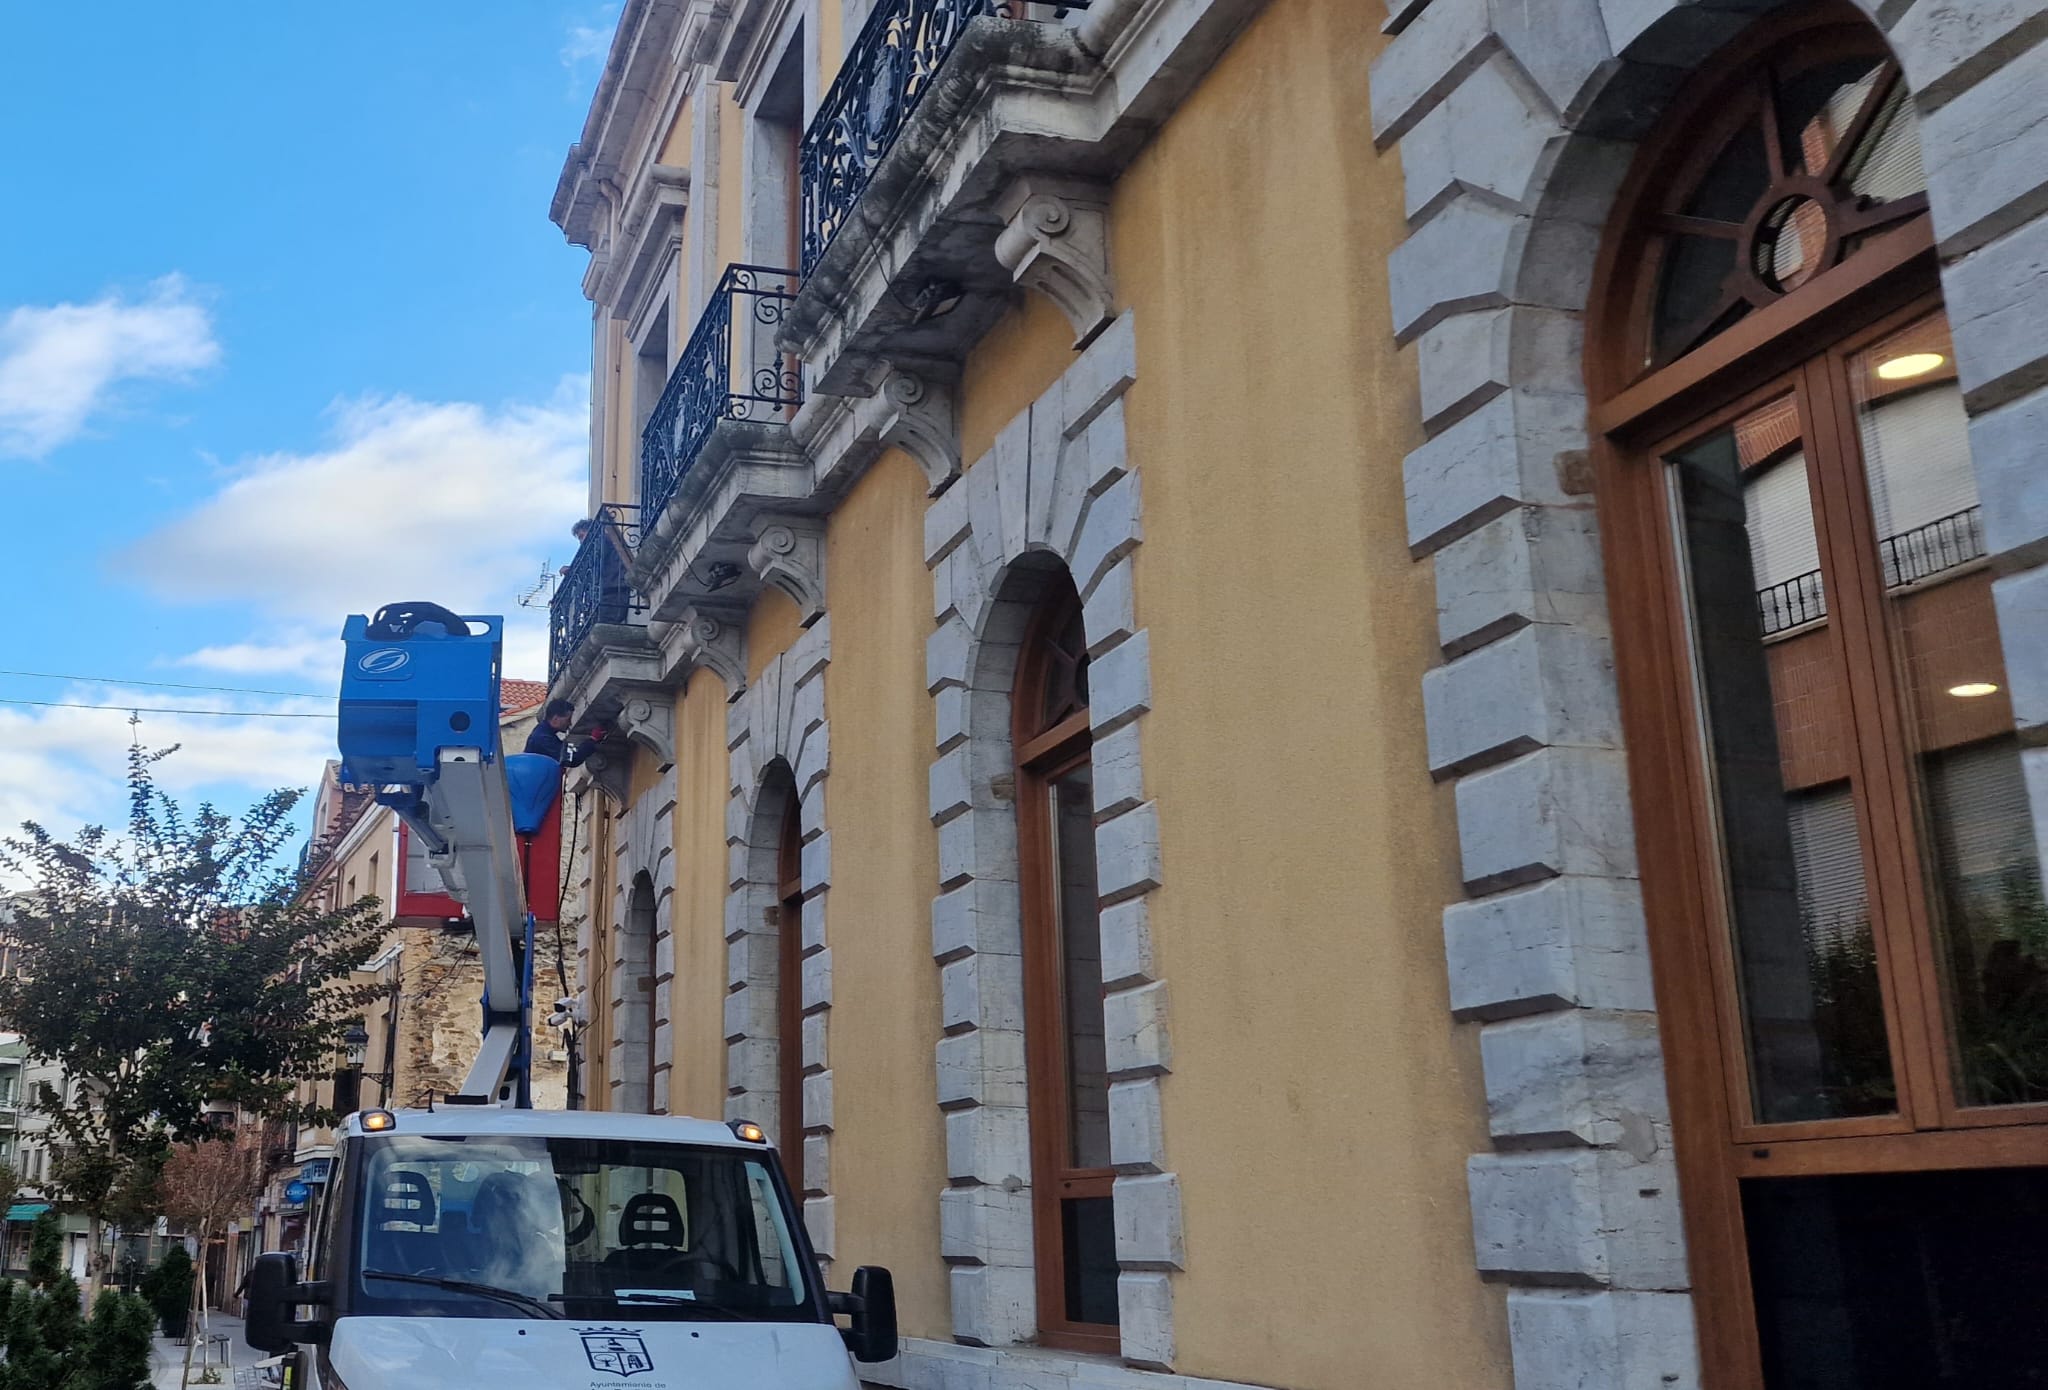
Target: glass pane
[
  {"x": 1982, "y": 864},
  {"x": 1775, "y": 714},
  {"x": 1072, "y": 797},
  {"x": 1694, "y": 278},
  {"x": 1900, "y": 1281},
  {"x": 1088, "y": 1232},
  {"x": 1817, "y": 106},
  {"x": 1066, "y": 673}
]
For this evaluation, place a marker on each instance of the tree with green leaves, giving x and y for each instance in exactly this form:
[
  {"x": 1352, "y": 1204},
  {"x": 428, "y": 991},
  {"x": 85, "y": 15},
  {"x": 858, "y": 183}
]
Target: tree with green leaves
[
  {"x": 45, "y": 1250},
  {"x": 176, "y": 972}
]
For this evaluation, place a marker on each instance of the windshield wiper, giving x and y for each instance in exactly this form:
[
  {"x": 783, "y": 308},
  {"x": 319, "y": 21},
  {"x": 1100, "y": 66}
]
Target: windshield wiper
[
  {"x": 435, "y": 1281},
  {"x": 709, "y": 1310}
]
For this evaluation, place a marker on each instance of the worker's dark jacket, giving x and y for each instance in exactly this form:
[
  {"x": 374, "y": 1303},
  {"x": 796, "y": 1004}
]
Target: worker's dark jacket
[{"x": 549, "y": 742}]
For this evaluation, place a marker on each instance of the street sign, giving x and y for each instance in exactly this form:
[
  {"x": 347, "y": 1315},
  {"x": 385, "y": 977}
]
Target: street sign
[{"x": 297, "y": 1192}]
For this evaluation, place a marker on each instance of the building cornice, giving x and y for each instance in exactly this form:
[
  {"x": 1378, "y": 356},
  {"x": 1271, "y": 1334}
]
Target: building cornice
[{"x": 643, "y": 48}]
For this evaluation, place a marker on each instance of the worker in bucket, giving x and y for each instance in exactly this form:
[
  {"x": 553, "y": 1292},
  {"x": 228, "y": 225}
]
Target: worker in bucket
[{"x": 547, "y": 740}]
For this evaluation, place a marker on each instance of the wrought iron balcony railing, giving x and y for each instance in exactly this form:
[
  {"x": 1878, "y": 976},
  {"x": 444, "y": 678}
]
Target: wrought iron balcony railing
[
  {"x": 1908, "y": 558},
  {"x": 595, "y": 587},
  {"x": 731, "y": 370},
  {"x": 886, "y": 74}
]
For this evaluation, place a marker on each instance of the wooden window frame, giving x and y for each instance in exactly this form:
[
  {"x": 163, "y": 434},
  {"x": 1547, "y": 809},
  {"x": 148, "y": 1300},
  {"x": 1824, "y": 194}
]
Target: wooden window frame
[
  {"x": 789, "y": 994},
  {"x": 1042, "y": 756},
  {"x": 1802, "y": 343}
]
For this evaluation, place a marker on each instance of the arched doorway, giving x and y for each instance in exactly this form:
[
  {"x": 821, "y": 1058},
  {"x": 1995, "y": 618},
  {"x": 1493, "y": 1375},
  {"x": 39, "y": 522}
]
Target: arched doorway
[{"x": 1837, "y": 851}]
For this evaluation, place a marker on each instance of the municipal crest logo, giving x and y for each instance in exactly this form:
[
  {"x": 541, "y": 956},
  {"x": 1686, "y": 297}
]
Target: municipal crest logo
[{"x": 617, "y": 1350}]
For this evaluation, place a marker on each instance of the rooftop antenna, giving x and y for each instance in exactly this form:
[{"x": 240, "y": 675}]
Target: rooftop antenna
[{"x": 538, "y": 595}]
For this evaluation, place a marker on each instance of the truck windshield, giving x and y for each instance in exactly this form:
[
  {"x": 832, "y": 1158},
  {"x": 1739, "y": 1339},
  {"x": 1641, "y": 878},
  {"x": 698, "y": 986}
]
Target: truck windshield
[{"x": 583, "y": 1226}]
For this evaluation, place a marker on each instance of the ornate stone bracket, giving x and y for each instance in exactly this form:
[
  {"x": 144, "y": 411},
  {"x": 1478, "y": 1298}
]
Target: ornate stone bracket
[
  {"x": 610, "y": 771},
  {"x": 1055, "y": 239},
  {"x": 714, "y": 640},
  {"x": 789, "y": 553},
  {"x": 650, "y": 721},
  {"x": 916, "y": 414}
]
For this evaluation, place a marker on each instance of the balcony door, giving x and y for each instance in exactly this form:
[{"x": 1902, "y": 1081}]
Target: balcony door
[{"x": 1838, "y": 848}]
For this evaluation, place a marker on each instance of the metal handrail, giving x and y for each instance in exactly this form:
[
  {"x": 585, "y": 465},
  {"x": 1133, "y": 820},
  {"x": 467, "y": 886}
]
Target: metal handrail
[
  {"x": 1907, "y": 558},
  {"x": 701, "y": 392},
  {"x": 595, "y": 587},
  {"x": 886, "y": 74}
]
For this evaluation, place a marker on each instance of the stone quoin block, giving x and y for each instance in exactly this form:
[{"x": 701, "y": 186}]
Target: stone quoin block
[
  {"x": 1119, "y": 777},
  {"x": 1455, "y": 262},
  {"x": 1597, "y": 1217},
  {"x": 1102, "y": 373},
  {"x": 1148, "y": 1227},
  {"x": 1110, "y": 530},
  {"x": 1997, "y": 302},
  {"x": 2011, "y": 483},
  {"x": 1576, "y": 1076},
  {"x": 1946, "y": 45},
  {"x": 1127, "y": 852},
  {"x": 1516, "y": 450},
  {"x": 1608, "y": 1340},
  {"x": 1120, "y": 684},
  {"x": 982, "y": 990},
  {"x": 2022, "y": 604},
  {"x": 1144, "y": 1307},
  {"x": 980, "y": 915},
  {"x": 1488, "y": 133},
  {"x": 1567, "y": 943},
  {"x": 1532, "y": 565},
  {"x": 1126, "y": 933},
  {"x": 1552, "y": 812},
  {"x": 1137, "y": 1133},
  {"x": 982, "y": 1067},
  {"x": 1986, "y": 154},
  {"x": 989, "y": 1144},
  {"x": 818, "y": 1100},
  {"x": 993, "y": 1305},
  {"x": 1544, "y": 686},
  {"x": 1135, "y": 1037},
  {"x": 985, "y": 1225},
  {"x": 1110, "y": 614}
]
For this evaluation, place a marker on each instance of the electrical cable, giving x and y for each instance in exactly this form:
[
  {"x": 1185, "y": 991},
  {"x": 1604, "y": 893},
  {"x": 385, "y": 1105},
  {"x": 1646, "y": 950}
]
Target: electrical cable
[
  {"x": 164, "y": 685},
  {"x": 158, "y": 709}
]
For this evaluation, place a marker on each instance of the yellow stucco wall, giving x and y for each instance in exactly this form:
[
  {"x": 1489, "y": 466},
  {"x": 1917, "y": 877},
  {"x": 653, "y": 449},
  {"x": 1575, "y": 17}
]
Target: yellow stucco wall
[
  {"x": 888, "y": 1150},
  {"x": 1322, "y": 1103},
  {"x": 697, "y": 911},
  {"x": 831, "y": 46},
  {"x": 1009, "y": 369},
  {"x": 772, "y": 624},
  {"x": 675, "y": 146}
]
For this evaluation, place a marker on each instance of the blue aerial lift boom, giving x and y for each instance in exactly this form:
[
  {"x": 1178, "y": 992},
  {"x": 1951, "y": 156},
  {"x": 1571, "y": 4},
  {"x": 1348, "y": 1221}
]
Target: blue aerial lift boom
[{"x": 419, "y": 721}]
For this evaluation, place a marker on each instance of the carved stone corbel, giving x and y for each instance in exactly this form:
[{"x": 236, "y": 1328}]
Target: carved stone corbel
[
  {"x": 1055, "y": 239},
  {"x": 716, "y": 643},
  {"x": 789, "y": 553},
  {"x": 610, "y": 768},
  {"x": 915, "y": 414},
  {"x": 649, "y": 721}
]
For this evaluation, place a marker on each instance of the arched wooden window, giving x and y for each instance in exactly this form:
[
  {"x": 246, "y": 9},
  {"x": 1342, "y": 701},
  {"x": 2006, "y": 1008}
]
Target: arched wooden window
[
  {"x": 1068, "y": 1081},
  {"x": 640, "y": 1019},
  {"x": 789, "y": 992},
  {"x": 1838, "y": 856}
]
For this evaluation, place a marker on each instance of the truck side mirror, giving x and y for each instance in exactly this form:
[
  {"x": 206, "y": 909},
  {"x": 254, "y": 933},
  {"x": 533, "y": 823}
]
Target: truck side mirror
[
  {"x": 871, "y": 1309},
  {"x": 274, "y": 1295}
]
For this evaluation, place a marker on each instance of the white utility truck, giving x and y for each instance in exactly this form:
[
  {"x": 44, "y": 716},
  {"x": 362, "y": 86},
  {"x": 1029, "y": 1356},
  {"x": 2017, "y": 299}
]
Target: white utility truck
[{"x": 485, "y": 1245}]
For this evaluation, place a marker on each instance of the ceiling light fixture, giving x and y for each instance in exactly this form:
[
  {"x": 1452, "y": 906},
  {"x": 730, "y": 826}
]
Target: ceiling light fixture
[
  {"x": 1909, "y": 365},
  {"x": 1973, "y": 690}
]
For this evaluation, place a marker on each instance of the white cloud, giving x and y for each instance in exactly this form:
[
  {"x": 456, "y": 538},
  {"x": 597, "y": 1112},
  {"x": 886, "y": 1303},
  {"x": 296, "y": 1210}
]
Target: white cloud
[
  {"x": 446, "y": 502},
  {"x": 308, "y": 656},
  {"x": 61, "y": 364},
  {"x": 584, "y": 42}
]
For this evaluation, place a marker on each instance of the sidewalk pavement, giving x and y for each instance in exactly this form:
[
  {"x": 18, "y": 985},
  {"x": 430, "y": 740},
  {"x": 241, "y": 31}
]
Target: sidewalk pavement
[{"x": 167, "y": 1358}]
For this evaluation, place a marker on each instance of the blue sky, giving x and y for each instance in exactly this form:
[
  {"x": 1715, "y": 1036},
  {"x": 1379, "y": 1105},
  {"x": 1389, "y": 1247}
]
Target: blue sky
[{"x": 284, "y": 333}]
